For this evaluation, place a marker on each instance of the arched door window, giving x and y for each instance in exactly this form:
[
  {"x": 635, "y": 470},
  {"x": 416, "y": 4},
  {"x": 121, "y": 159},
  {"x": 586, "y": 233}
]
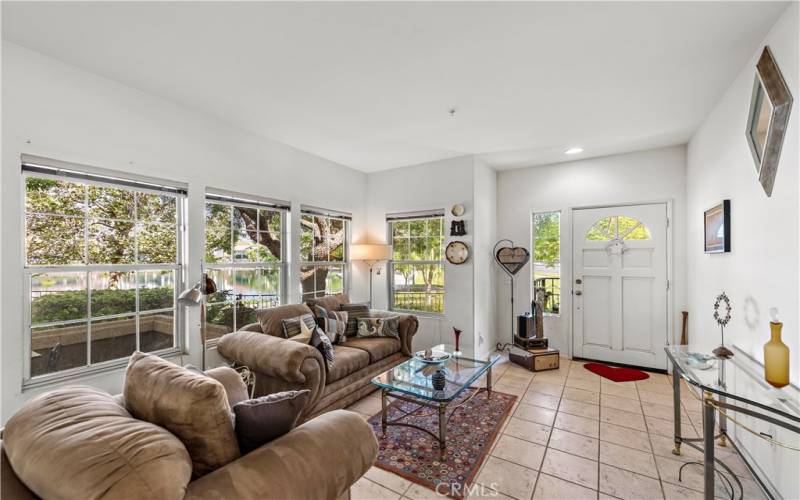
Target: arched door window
[{"x": 617, "y": 227}]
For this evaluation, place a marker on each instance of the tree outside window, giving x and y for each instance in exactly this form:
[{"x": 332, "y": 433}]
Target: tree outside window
[
  {"x": 323, "y": 255},
  {"x": 547, "y": 259},
  {"x": 417, "y": 270},
  {"x": 102, "y": 263},
  {"x": 243, "y": 255}
]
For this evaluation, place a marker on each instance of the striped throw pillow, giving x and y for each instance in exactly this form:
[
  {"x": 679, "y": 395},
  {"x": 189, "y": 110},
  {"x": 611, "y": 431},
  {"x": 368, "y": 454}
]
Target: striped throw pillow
[
  {"x": 354, "y": 311},
  {"x": 291, "y": 326}
]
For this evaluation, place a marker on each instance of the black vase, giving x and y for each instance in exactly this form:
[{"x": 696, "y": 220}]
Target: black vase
[{"x": 438, "y": 380}]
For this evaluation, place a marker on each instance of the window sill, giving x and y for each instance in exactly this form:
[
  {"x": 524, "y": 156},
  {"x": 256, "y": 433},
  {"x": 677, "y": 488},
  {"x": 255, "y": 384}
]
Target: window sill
[
  {"x": 73, "y": 374},
  {"x": 421, "y": 314}
]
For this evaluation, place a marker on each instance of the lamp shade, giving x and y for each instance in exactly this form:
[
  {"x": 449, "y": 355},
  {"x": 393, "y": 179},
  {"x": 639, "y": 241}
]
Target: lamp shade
[{"x": 370, "y": 252}]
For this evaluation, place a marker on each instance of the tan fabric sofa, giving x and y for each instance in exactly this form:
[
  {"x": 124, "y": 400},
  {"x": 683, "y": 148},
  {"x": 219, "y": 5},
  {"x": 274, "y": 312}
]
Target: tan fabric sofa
[
  {"x": 81, "y": 442},
  {"x": 281, "y": 364}
]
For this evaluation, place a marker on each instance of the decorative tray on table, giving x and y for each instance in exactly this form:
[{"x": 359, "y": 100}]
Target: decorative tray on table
[{"x": 432, "y": 356}]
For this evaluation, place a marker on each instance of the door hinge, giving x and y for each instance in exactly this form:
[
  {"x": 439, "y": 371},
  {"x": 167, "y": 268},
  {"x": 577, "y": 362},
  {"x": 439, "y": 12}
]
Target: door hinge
[
  {"x": 667, "y": 221},
  {"x": 667, "y": 284}
]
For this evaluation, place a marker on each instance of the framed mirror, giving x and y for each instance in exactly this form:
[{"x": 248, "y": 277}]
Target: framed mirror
[{"x": 770, "y": 105}]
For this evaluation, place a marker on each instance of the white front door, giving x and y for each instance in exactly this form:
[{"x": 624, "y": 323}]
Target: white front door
[{"x": 619, "y": 264}]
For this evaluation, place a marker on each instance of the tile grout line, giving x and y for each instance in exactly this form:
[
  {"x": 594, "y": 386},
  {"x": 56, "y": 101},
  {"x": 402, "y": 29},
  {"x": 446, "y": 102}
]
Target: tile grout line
[{"x": 652, "y": 448}]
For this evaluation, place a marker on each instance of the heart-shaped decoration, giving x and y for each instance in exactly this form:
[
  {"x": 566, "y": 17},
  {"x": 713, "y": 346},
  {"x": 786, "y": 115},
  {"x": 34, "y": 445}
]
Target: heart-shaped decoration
[{"x": 512, "y": 259}]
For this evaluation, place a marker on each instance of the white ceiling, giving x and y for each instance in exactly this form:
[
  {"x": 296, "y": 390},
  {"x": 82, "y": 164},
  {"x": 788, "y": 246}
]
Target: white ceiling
[{"x": 369, "y": 85}]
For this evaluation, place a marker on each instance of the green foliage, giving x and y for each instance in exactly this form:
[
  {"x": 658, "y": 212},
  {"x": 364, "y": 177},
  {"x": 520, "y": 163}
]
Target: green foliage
[
  {"x": 547, "y": 237},
  {"x": 56, "y": 218},
  {"x": 69, "y": 305}
]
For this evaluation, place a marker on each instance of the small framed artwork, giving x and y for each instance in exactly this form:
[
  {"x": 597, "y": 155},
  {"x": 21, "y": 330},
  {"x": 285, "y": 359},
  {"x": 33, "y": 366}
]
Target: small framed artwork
[
  {"x": 717, "y": 228},
  {"x": 770, "y": 104}
]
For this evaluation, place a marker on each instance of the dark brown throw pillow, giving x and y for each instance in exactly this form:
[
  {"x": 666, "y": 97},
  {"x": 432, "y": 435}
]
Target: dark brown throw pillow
[
  {"x": 260, "y": 420},
  {"x": 354, "y": 311}
]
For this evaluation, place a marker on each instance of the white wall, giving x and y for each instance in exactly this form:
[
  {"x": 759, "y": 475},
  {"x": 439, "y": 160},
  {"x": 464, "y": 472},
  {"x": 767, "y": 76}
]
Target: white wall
[
  {"x": 762, "y": 269},
  {"x": 435, "y": 185},
  {"x": 645, "y": 176},
  {"x": 59, "y": 111},
  {"x": 484, "y": 267}
]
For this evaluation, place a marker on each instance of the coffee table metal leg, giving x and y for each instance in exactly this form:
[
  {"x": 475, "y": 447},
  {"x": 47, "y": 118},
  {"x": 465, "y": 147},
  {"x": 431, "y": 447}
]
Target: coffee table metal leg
[
  {"x": 676, "y": 406},
  {"x": 442, "y": 429},
  {"x": 489, "y": 382},
  {"x": 383, "y": 411}
]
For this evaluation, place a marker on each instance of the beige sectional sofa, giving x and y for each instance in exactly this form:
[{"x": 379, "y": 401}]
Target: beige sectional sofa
[
  {"x": 281, "y": 364},
  {"x": 81, "y": 442}
]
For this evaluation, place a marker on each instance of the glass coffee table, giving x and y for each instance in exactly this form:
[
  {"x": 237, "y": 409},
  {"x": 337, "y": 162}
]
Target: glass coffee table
[{"x": 411, "y": 382}]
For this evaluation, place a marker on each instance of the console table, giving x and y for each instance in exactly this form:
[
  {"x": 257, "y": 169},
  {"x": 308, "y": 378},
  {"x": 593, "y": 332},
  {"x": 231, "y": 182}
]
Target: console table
[{"x": 711, "y": 377}]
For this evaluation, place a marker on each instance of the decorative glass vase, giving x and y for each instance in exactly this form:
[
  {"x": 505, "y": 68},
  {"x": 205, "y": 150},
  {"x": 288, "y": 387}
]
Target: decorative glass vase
[
  {"x": 776, "y": 357},
  {"x": 457, "y": 334}
]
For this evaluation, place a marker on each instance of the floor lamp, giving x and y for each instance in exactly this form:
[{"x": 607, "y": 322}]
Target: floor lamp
[
  {"x": 196, "y": 296},
  {"x": 372, "y": 254}
]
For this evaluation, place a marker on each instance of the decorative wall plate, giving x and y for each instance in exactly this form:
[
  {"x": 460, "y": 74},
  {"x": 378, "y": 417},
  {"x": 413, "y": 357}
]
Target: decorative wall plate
[
  {"x": 457, "y": 210},
  {"x": 457, "y": 252}
]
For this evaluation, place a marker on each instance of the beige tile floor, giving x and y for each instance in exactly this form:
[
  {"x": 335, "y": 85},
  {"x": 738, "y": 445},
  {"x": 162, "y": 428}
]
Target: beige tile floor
[{"x": 574, "y": 435}]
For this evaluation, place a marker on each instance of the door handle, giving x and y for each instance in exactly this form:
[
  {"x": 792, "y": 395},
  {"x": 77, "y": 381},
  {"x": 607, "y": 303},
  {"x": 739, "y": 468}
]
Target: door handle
[
  {"x": 578, "y": 292},
  {"x": 578, "y": 281}
]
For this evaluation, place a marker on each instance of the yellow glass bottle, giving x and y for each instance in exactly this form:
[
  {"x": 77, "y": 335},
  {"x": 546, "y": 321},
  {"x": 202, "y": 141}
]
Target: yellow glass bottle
[{"x": 776, "y": 355}]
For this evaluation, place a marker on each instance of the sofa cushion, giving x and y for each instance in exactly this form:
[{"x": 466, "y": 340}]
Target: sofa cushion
[
  {"x": 193, "y": 407},
  {"x": 77, "y": 442},
  {"x": 271, "y": 319},
  {"x": 378, "y": 327},
  {"x": 260, "y": 420},
  {"x": 377, "y": 348},
  {"x": 354, "y": 311},
  {"x": 348, "y": 360},
  {"x": 235, "y": 388},
  {"x": 329, "y": 302}
]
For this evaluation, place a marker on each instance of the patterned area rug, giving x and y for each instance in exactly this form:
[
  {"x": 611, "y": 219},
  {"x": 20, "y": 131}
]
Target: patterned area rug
[{"x": 415, "y": 455}]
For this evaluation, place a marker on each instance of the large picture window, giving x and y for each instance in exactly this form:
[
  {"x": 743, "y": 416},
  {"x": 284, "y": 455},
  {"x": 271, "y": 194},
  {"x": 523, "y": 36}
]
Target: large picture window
[
  {"x": 245, "y": 248},
  {"x": 416, "y": 271},
  {"x": 323, "y": 253},
  {"x": 547, "y": 259},
  {"x": 102, "y": 264}
]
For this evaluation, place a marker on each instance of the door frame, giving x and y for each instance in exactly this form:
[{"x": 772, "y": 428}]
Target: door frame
[{"x": 569, "y": 272}]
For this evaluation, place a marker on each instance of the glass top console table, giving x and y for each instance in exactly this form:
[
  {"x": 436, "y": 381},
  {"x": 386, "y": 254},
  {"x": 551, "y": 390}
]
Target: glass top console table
[{"x": 712, "y": 377}]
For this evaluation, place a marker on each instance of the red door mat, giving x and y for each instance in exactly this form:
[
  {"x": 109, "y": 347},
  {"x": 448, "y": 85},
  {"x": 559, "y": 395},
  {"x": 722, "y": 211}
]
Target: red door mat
[{"x": 616, "y": 374}]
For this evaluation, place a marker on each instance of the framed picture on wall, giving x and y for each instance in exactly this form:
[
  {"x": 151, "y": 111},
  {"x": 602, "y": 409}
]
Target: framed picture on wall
[
  {"x": 717, "y": 228},
  {"x": 770, "y": 104}
]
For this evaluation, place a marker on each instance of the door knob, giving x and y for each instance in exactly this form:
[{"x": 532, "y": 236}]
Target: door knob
[
  {"x": 578, "y": 281},
  {"x": 578, "y": 292}
]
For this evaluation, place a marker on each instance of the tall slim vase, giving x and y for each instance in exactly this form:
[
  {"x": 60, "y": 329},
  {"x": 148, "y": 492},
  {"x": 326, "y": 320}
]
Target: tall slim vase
[{"x": 776, "y": 357}]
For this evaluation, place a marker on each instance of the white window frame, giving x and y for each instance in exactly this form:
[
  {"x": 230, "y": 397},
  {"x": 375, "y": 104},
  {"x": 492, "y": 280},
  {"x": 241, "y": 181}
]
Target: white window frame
[
  {"x": 61, "y": 171},
  {"x": 390, "y": 219},
  {"x": 256, "y": 203},
  {"x": 344, "y": 263}
]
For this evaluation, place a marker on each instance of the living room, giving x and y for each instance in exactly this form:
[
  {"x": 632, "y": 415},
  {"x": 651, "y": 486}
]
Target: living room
[{"x": 190, "y": 180}]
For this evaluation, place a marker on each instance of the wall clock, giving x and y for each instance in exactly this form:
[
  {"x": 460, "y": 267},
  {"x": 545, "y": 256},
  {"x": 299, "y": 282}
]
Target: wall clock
[{"x": 457, "y": 252}]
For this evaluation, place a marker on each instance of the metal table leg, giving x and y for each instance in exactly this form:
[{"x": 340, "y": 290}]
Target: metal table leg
[
  {"x": 708, "y": 446},
  {"x": 489, "y": 383},
  {"x": 442, "y": 429},
  {"x": 384, "y": 409},
  {"x": 676, "y": 403}
]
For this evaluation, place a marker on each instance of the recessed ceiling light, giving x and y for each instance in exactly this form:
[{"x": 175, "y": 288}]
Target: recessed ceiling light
[{"x": 573, "y": 150}]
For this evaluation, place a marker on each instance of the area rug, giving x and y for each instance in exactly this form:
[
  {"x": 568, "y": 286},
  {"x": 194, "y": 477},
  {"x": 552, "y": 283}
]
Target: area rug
[
  {"x": 617, "y": 374},
  {"x": 415, "y": 455}
]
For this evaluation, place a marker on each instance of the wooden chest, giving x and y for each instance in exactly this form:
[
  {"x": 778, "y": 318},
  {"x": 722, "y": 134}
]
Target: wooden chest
[{"x": 536, "y": 360}]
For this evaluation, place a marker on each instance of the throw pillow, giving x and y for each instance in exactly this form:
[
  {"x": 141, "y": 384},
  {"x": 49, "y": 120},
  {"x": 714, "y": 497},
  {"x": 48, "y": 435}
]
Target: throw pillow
[
  {"x": 354, "y": 311},
  {"x": 316, "y": 338},
  {"x": 333, "y": 323},
  {"x": 379, "y": 327},
  {"x": 291, "y": 326},
  {"x": 193, "y": 407},
  {"x": 260, "y": 420}
]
